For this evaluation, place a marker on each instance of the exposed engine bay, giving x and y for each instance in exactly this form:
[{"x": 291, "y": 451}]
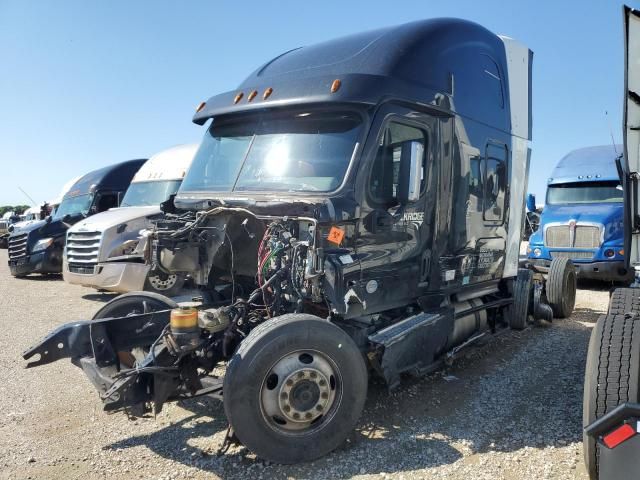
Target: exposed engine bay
[
  {"x": 250, "y": 271},
  {"x": 272, "y": 260}
]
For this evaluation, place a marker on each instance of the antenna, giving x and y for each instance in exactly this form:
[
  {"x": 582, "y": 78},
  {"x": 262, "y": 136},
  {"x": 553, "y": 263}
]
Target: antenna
[
  {"x": 613, "y": 142},
  {"x": 33, "y": 202}
]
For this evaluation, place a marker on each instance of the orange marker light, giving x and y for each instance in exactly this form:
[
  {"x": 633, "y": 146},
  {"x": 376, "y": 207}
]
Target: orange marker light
[
  {"x": 201, "y": 106},
  {"x": 335, "y": 86},
  {"x": 336, "y": 235},
  {"x": 252, "y": 95},
  {"x": 238, "y": 97},
  {"x": 267, "y": 93}
]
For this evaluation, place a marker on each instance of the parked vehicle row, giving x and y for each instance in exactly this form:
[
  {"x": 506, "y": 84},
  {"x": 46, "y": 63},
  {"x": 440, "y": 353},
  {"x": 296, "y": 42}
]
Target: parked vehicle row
[
  {"x": 107, "y": 251},
  {"x": 38, "y": 247}
]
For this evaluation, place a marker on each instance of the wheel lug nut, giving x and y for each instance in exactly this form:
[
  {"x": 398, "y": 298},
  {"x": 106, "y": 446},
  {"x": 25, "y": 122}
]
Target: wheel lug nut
[
  {"x": 313, "y": 374},
  {"x": 324, "y": 395},
  {"x": 308, "y": 415},
  {"x": 296, "y": 415},
  {"x": 287, "y": 408},
  {"x": 301, "y": 375},
  {"x": 284, "y": 396},
  {"x": 322, "y": 382},
  {"x": 319, "y": 408},
  {"x": 290, "y": 382}
]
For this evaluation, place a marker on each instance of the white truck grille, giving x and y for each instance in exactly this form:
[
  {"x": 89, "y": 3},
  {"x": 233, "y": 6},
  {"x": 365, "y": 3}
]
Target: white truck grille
[{"x": 83, "y": 249}]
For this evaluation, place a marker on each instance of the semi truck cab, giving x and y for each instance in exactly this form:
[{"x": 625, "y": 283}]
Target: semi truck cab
[
  {"x": 107, "y": 251},
  {"x": 38, "y": 246},
  {"x": 354, "y": 208},
  {"x": 583, "y": 216}
]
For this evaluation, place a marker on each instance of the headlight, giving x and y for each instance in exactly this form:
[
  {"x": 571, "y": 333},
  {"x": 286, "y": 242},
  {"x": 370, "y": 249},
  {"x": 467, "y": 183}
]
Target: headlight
[
  {"x": 42, "y": 244},
  {"x": 537, "y": 252},
  {"x": 127, "y": 248}
]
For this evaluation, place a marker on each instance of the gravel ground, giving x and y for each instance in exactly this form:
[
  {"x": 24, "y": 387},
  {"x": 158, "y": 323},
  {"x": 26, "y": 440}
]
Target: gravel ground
[{"x": 511, "y": 409}]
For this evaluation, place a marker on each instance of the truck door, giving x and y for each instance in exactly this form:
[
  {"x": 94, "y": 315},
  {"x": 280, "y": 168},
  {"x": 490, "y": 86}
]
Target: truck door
[
  {"x": 393, "y": 238},
  {"x": 630, "y": 164}
]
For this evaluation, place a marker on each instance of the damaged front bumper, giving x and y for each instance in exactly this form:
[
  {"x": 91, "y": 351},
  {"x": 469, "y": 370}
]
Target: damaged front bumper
[{"x": 103, "y": 349}]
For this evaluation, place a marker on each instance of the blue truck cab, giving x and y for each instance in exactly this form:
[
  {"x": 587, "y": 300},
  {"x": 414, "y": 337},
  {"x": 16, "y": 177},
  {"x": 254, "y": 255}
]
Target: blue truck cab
[{"x": 583, "y": 216}]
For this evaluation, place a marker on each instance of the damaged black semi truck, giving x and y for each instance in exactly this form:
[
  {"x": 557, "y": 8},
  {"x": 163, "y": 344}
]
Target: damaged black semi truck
[{"x": 355, "y": 208}]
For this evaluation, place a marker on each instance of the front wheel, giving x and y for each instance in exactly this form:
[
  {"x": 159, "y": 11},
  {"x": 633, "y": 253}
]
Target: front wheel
[{"x": 295, "y": 388}]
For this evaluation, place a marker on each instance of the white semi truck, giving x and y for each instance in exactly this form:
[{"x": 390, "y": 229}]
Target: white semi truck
[{"x": 107, "y": 251}]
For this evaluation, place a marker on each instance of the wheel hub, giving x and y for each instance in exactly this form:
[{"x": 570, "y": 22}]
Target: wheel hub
[
  {"x": 162, "y": 281},
  {"x": 304, "y": 395},
  {"x": 299, "y": 389}
]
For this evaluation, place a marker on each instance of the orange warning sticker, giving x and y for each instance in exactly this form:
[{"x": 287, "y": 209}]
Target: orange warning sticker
[{"x": 336, "y": 235}]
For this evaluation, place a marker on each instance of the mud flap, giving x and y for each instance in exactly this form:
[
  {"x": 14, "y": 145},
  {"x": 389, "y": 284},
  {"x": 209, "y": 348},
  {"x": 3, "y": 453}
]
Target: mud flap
[{"x": 619, "y": 461}]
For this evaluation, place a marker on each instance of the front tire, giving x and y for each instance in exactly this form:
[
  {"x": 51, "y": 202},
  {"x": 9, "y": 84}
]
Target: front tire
[{"x": 295, "y": 388}]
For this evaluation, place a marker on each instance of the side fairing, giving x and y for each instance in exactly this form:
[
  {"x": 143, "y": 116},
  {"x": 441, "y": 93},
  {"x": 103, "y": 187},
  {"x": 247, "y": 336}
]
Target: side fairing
[{"x": 519, "y": 61}]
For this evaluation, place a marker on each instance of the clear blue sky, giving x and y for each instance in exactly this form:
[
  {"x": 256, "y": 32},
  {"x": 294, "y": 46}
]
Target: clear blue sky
[{"x": 87, "y": 83}]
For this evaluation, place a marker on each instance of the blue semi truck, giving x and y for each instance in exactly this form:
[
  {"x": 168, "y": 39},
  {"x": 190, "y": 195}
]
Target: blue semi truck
[{"x": 583, "y": 216}]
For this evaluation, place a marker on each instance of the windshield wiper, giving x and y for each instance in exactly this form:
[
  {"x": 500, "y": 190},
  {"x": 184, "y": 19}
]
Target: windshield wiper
[{"x": 244, "y": 160}]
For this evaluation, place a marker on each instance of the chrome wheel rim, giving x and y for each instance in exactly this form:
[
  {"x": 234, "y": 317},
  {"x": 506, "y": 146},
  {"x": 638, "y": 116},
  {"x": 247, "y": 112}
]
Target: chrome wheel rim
[
  {"x": 300, "y": 392},
  {"x": 159, "y": 283}
]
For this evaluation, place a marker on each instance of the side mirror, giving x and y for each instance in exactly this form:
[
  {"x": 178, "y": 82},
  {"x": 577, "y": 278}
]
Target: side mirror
[
  {"x": 168, "y": 206},
  {"x": 49, "y": 219},
  {"x": 411, "y": 157},
  {"x": 531, "y": 202}
]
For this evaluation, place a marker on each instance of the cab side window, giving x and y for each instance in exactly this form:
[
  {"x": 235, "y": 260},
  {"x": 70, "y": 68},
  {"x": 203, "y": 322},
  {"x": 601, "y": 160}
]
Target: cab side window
[
  {"x": 492, "y": 80},
  {"x": 383, "y": 185},
  {"x": 495, "y": 182}
]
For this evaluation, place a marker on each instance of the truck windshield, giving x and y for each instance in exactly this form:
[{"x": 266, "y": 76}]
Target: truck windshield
[
  {"x": 144, "y": 194},
  {"x": 290, "y": 151},
  {"x": 74, "y": 205},
  {"x": 586, "y": 192}
]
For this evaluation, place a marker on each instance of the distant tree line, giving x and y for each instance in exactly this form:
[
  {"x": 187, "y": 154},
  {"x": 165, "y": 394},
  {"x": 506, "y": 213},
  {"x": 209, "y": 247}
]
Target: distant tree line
[{"x": 19, "y": 209}]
